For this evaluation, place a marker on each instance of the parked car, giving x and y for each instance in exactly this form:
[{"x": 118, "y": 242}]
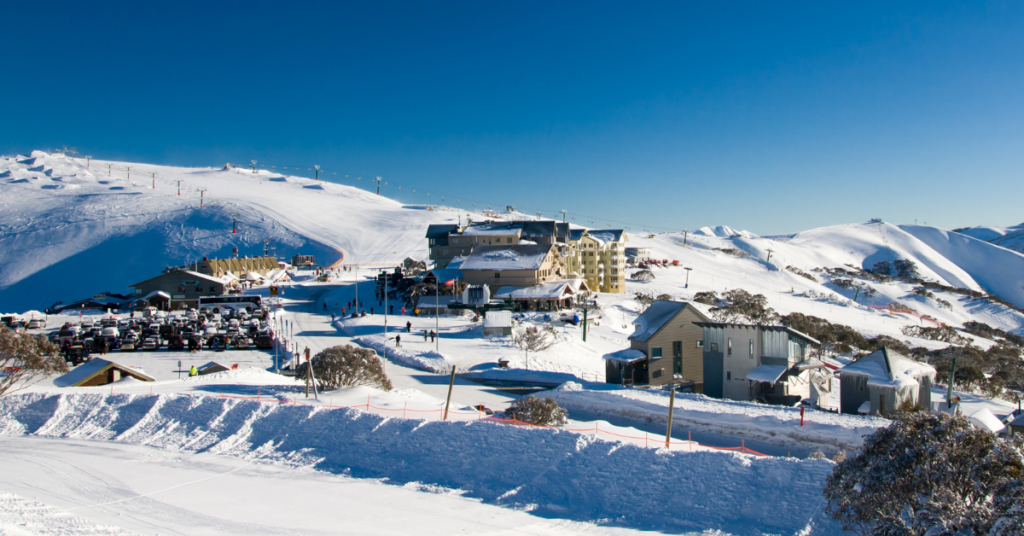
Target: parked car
[
  {"x": 264, "y": 342},
  {"x": 129, "y": 344},
  {"x": 36, "y": 323},
  {"x": 175, "y": 343},
  {"x": 151, "y": 344}
]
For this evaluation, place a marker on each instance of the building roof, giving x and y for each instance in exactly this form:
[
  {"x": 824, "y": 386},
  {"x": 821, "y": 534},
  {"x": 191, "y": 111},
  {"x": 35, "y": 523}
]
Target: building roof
[
  {"x": 986, "y": 420},
  {"x": 626, "y": 356},
  {"x": 539, "y": 229},
  {"x": 576, "y": 234},
  {"x": 189, "y": 273},
  {"x": 552, "y": 290},
  {"x": 561, "y": 230},
  {"x": 441, "y": 230},
  {"x": 94, "y": 367},
  {"x": 886, "y": 367},
  {"x": 511, "y": 257},
  {"x": 656, "y": 316},
  {"x": 603, "y": 236},
  {"x": 428, "y": 301},
  {"x": 791, "y": 331},
  {"x": 456, "y": 262},
  {"x": 444, "y": 275},
  {"x": 766, "y": 373},
  {"x": 493, "y": 228}
]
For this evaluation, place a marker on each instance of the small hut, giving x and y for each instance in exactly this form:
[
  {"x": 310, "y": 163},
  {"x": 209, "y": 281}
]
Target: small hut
[
  {"x": 213, "y": 366},
  {"x": 100, "y": 372},
  {"x": 497, "y": 323},
  {"x": 884, "y": 380}
]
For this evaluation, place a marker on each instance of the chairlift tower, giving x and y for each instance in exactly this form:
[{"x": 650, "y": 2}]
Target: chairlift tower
[
  {"x": 234, "y": 223},
  {"x": 253, "y": 164},
  {"x": 563, "y": 215},
  {"x": 379, "y": 180},
  {"x": 317, "y": 168},
  {"x": 201, "y": 192},
  {"x": 88, "y": 159},
  {"x": 179, "y": 186}
]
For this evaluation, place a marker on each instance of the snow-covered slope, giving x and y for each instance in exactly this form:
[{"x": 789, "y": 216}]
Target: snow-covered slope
[
  {"x": 1007, "y": 237},
  {"x": 68, "y": 230}
]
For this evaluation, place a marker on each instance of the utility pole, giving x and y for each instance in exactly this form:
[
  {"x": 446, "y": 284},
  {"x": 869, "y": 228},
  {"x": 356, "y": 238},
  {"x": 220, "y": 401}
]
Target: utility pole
[
  {"x": 585, "y": 308},
  {"x": 671, "y": 407},
  {"x": 687, "y": 276},
  {"x": 317, "y": 168},
  {"x": 201, "y": 192},
  {"x": 179, "y": 187},
  {"x": 379, "y": 179}
]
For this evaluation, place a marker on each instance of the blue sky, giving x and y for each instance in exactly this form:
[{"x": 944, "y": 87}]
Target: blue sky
[{"x": 772, "y": 117}]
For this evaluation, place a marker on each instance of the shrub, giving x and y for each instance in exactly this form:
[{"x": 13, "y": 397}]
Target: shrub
[
  {"x": 941, "y": 333},
  {"x": 802, "y": 273},
  {"x": 642, "y": 275},
  {"x": 26, "y": 359},
  {"x": 345, "y": 366},
  {"x": 743, "y": 306},
  {"x": 541, "y": 411},
  {"x": 664, "y": 297},
  {"x": 708, "y": 297},
  {"x": 930, "y": 473}
]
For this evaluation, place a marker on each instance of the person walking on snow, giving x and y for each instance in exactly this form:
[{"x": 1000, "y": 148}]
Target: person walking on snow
[
  {"x": 408, "y": 327},
  {"x": 398, "y": 341},
  {"x": 432, "y": 335},
  {"x": 325, "y": 306},
  {"x": 332, "y": 317},
  {"x": 425, "y": 335}
]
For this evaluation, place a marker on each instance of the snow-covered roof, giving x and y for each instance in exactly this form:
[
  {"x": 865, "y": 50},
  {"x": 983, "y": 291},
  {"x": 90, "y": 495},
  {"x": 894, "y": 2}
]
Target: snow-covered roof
[
  {"x": 550, "y": 291},
  {"x": 885, "y": 367},
  {"x": 160, "y": 293},
  {"x": 603, "y": 236},
  {"x": 498, "y": 319},
  {"x": 489, "y": 229},
  {"x": 986, "y": 420},
  {"x": 576, "y": 234},
  {"x": 429, "y": 301},
  {"x": 253, "y": 276},
  {"x": 627, "y": 356},
  {"x": 789, "y": 330},
  {"x": 96, "y": 365},
  {"x": 445, "y": 275},
  {"x": 456, "y": 262},
  {"x": 512, "y": 257},
  {"x": 656, "y": 316},
  {"x": 440, "y": 230},
  {"x": 766, "y": 373}
]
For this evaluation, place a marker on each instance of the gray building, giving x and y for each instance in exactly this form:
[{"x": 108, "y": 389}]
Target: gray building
[
  {"x": 771, "y": 364},
  {"x": 183, "y": 286},
  {"x": 884, "y": 380}
]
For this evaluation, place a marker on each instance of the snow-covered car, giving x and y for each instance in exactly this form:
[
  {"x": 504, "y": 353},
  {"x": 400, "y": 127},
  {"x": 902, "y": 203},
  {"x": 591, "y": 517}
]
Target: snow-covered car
[
  {"x": 129, "y": 345},
  {"x": 151, "y": 344},
  {"x": 36, "y": 323}
]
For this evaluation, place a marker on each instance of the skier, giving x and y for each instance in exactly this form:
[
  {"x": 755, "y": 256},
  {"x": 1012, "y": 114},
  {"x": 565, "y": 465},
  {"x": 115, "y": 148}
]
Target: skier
[
  {"x": 398, "y": 341},
  {"x": 403, "y": 310},
  {"x": 371, "y": 310},
  {"x": 408, "y": 327},
  {"x": 432, "y": 335},
  {"x": 332, "y": 317},
  {"x": 425, "y": 335},
  {"x": 325, "y": 306}
]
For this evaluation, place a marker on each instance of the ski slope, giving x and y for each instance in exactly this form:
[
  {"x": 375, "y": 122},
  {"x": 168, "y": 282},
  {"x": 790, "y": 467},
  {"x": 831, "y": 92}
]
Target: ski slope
[{"x": 69, "y": 229}]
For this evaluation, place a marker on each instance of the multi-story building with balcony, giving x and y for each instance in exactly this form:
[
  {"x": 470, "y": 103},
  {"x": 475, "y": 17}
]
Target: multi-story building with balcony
[{"x": 599, "y": 257}]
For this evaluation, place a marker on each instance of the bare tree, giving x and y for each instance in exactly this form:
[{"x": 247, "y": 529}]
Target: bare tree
[
  {"x": 346, "y": 366},
  {"x": 26, "y": 359},
  {"x": 645, "y": 300},
  {"x": 533, "y": 339}
]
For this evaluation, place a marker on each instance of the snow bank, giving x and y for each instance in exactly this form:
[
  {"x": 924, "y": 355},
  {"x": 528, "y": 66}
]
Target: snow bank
[
  {"x": 757, "y": 421},
  {"x": 547, "y": 472}
]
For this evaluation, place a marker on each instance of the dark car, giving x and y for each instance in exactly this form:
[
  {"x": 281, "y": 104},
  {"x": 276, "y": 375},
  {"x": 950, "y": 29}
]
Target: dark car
[
  {"x": 264, "y": 342},
  {"x": 77, "y": 353},
  {"x": 175, "y": 342}
]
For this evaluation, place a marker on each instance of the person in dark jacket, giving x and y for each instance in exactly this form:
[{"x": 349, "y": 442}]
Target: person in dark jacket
[{"x": 398, "y": 341}]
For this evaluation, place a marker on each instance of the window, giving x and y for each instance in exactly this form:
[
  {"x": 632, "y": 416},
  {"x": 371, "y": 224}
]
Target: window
[
  {"x": 728, "y": 376},
  {"x": 199, "y": 289},
  {"x": 497, "y": 275},
  {"x": 729, "y": 351},
  {"x": 655, "y": 352},
  {"x": 700, "y": 343},
  {"x": 714, "y": 347},
  {"x": 677, "y": 357},
  {"x": 509, "y": 240},
  {"x": 751, "y": 348}
]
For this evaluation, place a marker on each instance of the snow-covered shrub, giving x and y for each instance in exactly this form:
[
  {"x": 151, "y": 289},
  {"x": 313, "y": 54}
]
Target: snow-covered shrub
[
  {"x": 881, "y": 268},
  {"x": 664, "y": 297},
  {"x": 906, "y": 268},
  {"x": 802, "y": 273},
  {"x": 941, "y": 333},
  {"x": 817, "y": 455},
  {"x": 642, "y": 275},
  {"x": 930, "y": 473},
  {"x": 744, "y": 307},
  {"x": 541, "y": 411},
  {"x": 345, "y": 366},
  {"x": 708, "y": 297}
]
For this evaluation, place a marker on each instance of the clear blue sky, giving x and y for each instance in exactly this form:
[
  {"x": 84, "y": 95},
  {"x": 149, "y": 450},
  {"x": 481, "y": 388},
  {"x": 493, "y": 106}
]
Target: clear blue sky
[{"x": 768, "y": 116}]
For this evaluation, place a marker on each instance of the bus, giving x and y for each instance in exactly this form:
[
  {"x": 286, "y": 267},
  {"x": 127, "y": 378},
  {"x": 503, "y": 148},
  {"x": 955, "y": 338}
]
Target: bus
[{"x": 215, "y": 304}]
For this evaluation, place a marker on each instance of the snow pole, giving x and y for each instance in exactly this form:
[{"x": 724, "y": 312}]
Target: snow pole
[
  {"x": 451, "y": 384},
  {"x": 671, "y": 407}
]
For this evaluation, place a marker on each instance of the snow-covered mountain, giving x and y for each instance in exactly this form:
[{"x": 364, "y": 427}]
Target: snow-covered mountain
[
  {"x": 69, "y": 229},
  {"x": 1007, "y": 237}
]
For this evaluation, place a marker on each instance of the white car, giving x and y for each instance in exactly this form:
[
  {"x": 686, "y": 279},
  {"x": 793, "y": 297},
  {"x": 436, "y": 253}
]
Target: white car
[{"x": 36, "y": 323}]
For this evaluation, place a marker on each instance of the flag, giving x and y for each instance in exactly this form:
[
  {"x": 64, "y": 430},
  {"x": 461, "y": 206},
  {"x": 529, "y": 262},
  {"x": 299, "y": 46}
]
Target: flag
[{"x": 449, "y": 283}]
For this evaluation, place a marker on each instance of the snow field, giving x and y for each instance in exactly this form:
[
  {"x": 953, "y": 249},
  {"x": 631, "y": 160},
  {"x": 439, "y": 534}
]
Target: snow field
[
  {"x": 549, "y": 473},
  {"x": 23, "y": 517}
]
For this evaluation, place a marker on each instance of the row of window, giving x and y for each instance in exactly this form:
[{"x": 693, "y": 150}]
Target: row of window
[{"x": 729, "y": 348}]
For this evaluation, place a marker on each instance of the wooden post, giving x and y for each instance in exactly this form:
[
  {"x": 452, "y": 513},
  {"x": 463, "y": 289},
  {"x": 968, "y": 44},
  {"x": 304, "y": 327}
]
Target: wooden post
[
  {"x": 671, "y": 408},
  {"x": 689, "y": 439},
  {"x": 802, "y": 409},
  {"x": 451, "y": 384}
]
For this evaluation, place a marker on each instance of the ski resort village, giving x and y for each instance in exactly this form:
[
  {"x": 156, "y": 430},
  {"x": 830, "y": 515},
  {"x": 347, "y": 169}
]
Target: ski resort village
[
  {"x": 501, "y": 268},
  {"x": 450, "y": 368}
]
